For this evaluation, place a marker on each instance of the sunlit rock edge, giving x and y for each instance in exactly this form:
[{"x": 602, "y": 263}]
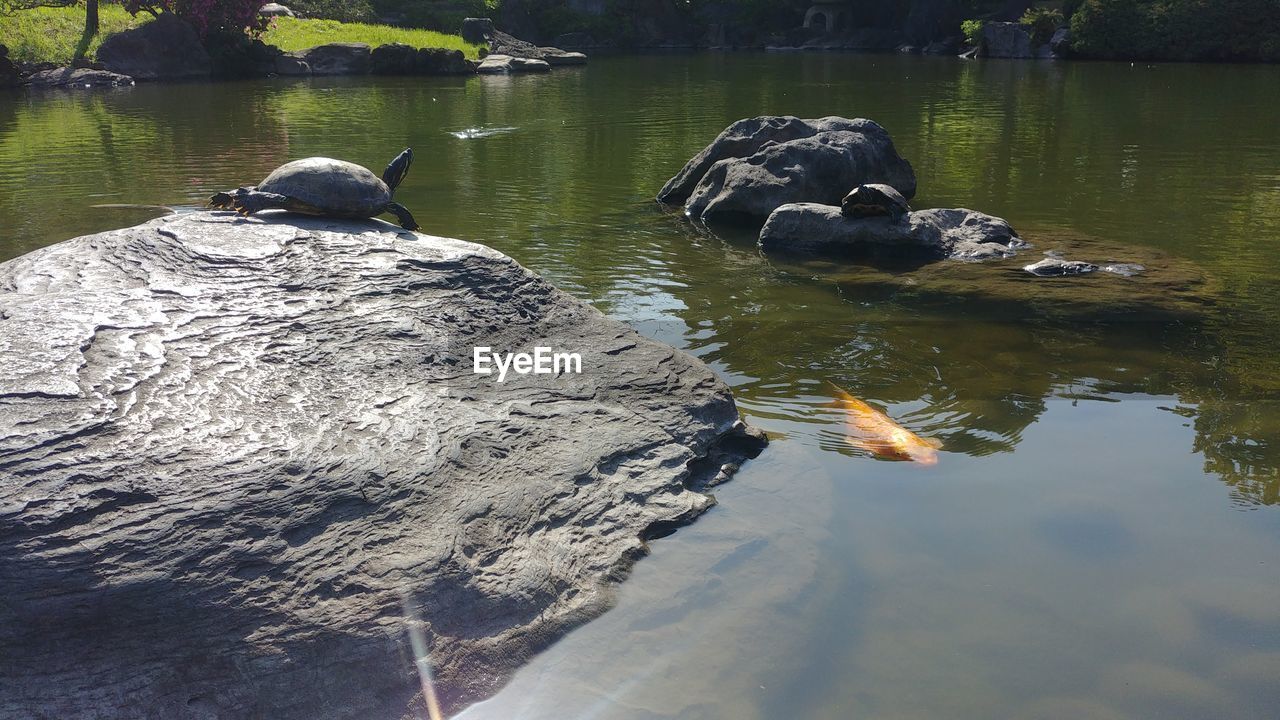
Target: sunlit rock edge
[{"x": 227, "y": 447}]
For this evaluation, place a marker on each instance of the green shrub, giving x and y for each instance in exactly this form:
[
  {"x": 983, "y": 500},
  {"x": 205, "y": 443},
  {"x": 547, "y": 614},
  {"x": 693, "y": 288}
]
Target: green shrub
[
  {"x": 340, "y": 10},
  {"x": 1177, "y": 29},
  {"x": 1041, "y": 23},
  {"x": 972, "y": 30}
]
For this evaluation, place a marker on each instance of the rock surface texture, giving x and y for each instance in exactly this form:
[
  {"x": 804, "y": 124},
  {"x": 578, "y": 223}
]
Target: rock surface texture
[
  {"x": 759, "y": 164},
  {"x": 339, "y": 59},
  {"x": 77, "y": 78},
  {"x": 228, "y": 446},
  {"x": 164, "y": 49},
  {"x": 957, "y": 234},
  {"x": 1011, "y": 40}
]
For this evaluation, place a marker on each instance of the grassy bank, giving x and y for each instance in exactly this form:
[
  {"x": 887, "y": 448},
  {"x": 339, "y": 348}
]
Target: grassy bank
[
  {"x": 291, "y": 34},
  {"x": 51, "y": 34}
]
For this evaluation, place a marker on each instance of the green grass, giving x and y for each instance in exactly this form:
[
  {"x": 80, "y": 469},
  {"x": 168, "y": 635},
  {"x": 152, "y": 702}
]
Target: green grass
[
  {"x": 292, "y": 34},
  {"x": 51, "y": 34}
]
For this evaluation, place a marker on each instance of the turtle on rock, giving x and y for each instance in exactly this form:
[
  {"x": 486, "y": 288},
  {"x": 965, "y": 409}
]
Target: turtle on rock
[
  {"x": 874, "y": 200},
  {"x": 323, "y": 186}
]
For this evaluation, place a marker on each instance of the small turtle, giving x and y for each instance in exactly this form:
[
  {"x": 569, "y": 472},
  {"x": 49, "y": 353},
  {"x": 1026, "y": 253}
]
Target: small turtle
[
  {"x": 874, "y": 200},
  {"x": 323, "y": 186}
]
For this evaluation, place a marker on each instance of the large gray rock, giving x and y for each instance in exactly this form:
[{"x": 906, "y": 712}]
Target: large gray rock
[
  {"x": 495, "y": 64},
  {"x": 339, "y": 59},
  {"x": 1010, "y": 40},
  {"x": 228, "y": 446},
  {"x": 290, "y": 64},
  {"x": 958, "y": 234},
  {"x": 1060, "y": 43},
  {"x": 73, "y": 78},
  {"x": 166, "y": 48},
  {"x": 439, "y": 61},
  {"x": 501, "y": 43},
  {"x": 759, "y": 164},
  {"x": 477, "y": 31},
  {"x": 393, "y": 59},
  {"x": 275, "y": 10}
]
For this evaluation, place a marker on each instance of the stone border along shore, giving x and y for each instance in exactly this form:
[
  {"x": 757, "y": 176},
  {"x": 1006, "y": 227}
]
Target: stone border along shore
[{"x": 169, "y": 49}]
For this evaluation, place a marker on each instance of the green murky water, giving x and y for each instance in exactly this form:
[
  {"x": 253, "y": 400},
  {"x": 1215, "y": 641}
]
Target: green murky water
[{"x": 1100, "y": 537}]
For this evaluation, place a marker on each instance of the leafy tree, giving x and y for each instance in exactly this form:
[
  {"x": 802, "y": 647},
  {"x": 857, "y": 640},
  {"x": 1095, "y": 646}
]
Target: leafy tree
[
  {"x": 208, "y": 16},
  {"x": 1178, "y": 29}
]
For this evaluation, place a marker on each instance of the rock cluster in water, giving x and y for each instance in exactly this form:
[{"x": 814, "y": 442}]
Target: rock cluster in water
[
  {"x": 228, "y": 446},
  {"x": 792, "y": 174}
]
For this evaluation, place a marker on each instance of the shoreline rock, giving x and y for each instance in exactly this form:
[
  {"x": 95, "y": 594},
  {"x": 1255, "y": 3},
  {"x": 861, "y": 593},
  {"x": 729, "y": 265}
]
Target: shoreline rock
[
  {"x": 72, "y": 78},
  {"x": 228, "y": 446},
  {"x": 339, "y": 59}
]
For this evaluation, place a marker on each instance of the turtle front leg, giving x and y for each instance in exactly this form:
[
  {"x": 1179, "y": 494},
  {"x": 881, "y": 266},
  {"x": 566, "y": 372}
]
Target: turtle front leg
[{"x": 403, "y": 215}]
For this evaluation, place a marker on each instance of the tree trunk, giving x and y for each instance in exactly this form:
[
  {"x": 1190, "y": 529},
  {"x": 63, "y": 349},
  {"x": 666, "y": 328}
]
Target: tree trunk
[
  {"x": 90, "y": 28},
  {"x": 90, "y": 18}
]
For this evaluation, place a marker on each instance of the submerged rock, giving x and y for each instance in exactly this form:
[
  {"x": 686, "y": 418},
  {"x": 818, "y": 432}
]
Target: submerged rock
[
  {"x": 1059, "y": 267},
  {"x": 759, "y": 164},
  {"x": 229, "y": 446},
  {"x": 166, "y": 48},
  {"x": 958, "y": 234}
]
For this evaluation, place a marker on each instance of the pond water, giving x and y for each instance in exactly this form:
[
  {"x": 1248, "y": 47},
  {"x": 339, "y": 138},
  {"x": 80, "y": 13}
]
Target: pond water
[{"x": 1101, "y": 535}]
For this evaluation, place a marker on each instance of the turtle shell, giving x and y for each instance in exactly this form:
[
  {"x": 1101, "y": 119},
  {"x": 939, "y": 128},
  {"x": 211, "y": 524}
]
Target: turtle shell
[
  {"x": 874, "y": 199},
  {"x": 334, "y": 187}
]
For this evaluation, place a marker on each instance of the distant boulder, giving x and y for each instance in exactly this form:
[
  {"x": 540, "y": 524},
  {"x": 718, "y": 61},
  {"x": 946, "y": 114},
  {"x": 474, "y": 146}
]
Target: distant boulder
[
  {"x": 166, "y": 48},
  {"x": 439, "y": 61},
  {"x": 477, "y": 31},
  {"x": 275, "y": 10},
  {"x": 393, "y": 59},
  {"x": 1010, "y": 40},
  {"x": 759, "y": 164},
  {"x": 556, "y": 56},
  {"x": 290, "y": 64},
  {"x": 339, "y": 59}
]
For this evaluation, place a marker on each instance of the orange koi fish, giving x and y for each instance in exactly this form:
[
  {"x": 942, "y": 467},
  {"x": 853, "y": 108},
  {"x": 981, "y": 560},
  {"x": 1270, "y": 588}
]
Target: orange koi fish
[{"x": 868, "y": 429}]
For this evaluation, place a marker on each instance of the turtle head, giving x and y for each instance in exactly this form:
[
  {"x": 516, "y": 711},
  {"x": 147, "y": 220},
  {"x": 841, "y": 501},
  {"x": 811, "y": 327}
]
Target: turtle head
[{"x": 398, "y": 168}]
